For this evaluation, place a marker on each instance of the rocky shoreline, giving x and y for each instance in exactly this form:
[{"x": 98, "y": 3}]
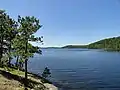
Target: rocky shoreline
[{"x": 13, "y": 79}]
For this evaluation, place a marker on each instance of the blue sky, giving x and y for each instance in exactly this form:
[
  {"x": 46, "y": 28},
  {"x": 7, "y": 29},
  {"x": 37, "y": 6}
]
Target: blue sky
[{"x": 69, "y": 21}]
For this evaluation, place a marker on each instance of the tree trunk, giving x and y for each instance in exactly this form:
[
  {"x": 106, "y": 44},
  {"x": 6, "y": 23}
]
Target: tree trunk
[
  {"x": 26, "y": 82},
  {"x": 16, "y": 64},
  {"x": 1, "y": 45},
  {"x": 1, "y": 49},
  {"x": 9, "y": 58}
]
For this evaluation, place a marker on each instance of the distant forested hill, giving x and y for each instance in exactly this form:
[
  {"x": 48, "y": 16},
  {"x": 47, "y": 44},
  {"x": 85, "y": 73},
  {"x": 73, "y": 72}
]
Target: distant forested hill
[
  {"x": 107, "y": 44},
  {"x": 112, "y": 44},
  {"x": 75, "y": 46}
]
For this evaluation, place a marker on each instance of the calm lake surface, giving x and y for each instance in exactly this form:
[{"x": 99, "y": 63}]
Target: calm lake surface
[{"x": 79, "y": 69}]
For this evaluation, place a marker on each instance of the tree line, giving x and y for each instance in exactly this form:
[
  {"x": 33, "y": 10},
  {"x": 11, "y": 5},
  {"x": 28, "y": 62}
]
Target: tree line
[
  {"x": 110, "y": 44},
  {"x": 15, "y": 38}
]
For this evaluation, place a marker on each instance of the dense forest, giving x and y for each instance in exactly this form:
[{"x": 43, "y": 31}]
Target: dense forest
[
  {"x": 112, "y": 44},
  {"x": 109, "y": 44}
]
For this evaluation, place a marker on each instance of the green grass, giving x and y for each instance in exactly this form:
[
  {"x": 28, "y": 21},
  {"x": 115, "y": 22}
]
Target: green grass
[
  {"x": 33, "y": 81},
  {"x": 13, "y": 71}
]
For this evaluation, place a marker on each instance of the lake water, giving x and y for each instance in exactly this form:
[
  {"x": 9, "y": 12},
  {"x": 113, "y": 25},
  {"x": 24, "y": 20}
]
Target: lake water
[{"x": 79, "y": 69}]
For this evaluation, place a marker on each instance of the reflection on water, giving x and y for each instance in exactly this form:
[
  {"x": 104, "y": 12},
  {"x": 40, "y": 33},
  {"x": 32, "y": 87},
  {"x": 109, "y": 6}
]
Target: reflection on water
[{"x": 80, "y": 69}]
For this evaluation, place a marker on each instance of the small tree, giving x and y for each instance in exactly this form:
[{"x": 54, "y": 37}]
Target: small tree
[{"x": 46, "y": 73}]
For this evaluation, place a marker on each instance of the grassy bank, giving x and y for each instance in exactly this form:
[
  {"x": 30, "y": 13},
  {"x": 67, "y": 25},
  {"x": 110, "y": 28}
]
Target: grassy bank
[{"x": 12, "y": 79}]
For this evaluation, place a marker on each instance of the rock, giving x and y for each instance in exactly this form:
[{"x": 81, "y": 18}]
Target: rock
[{"x": 50, "y": 86}]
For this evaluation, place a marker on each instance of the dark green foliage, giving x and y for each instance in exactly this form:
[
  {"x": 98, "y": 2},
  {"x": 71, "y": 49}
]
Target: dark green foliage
[
  {"x": 15, "y": 38},
  {"x": 112, "y": 44},
  {"x": 8, "y": 30},
  {"x": 46, "y": 73},
  {"x": 27, "y": 27}
]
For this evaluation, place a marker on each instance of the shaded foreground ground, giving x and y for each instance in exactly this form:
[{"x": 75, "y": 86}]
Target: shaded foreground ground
[{"x": 11, "y": 79}]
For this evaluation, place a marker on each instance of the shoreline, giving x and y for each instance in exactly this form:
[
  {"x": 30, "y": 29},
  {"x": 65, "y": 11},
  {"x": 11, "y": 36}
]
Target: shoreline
[
  {"x": 10, "y": 75},
  {"x": 48, "y": 84}
]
